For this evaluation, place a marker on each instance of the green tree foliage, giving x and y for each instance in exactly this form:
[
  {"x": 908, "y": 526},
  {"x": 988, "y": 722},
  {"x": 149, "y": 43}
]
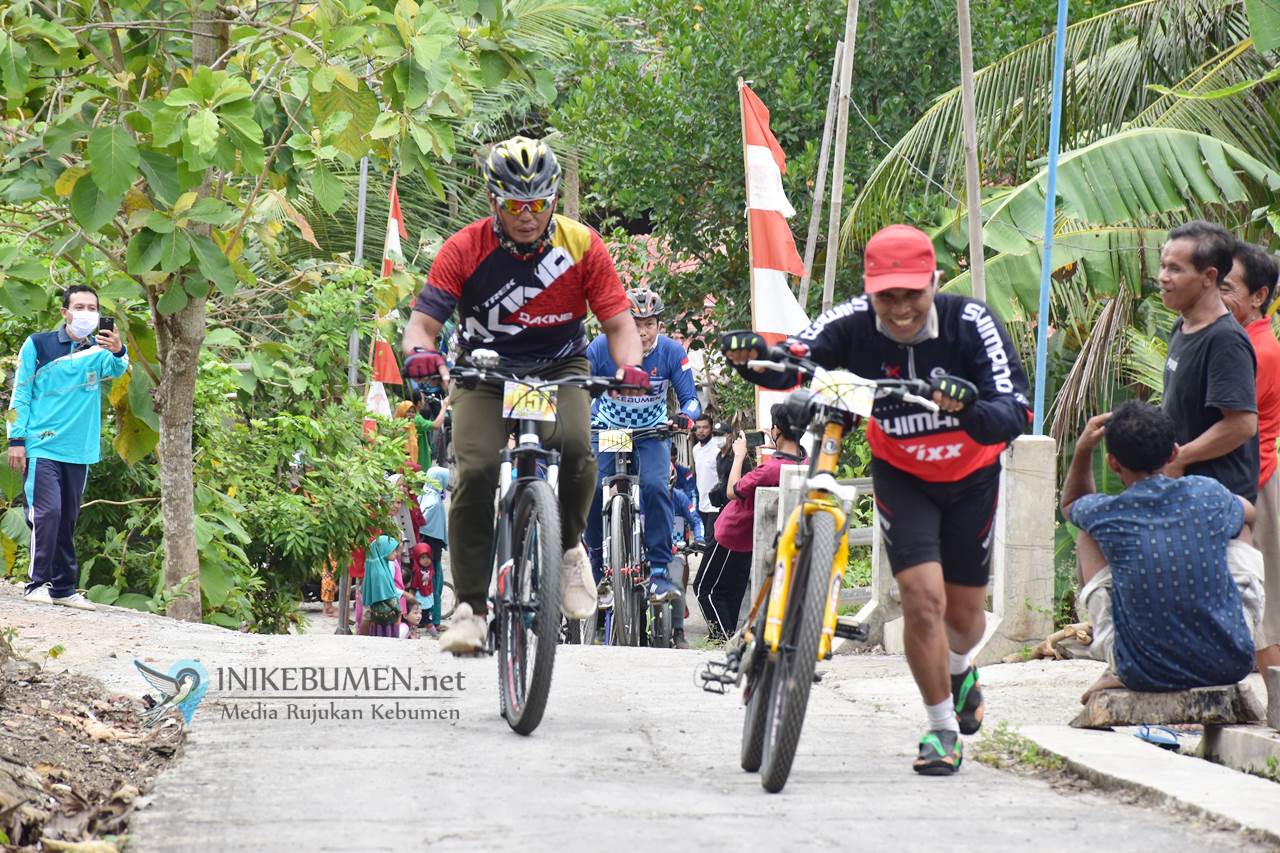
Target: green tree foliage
[
  {"x": 148, "y": 142},
  {"x": 656, "y": 112}
]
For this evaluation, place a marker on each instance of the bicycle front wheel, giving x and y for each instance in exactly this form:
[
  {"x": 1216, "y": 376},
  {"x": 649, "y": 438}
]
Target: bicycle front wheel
[
  {"x": 626, "y": 619},
  {"x": 529, "y": 609},
  {"x": 798, "y": 653},
  {"x": 759, "y": 689}
]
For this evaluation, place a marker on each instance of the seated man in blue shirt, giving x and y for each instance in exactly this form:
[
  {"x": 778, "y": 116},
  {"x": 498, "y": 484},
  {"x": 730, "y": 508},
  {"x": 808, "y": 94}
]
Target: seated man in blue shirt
[{"x": 1172, "y": 586}]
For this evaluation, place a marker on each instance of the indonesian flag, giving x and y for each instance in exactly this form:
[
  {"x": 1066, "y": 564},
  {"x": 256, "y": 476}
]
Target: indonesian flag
[
  {"x": 375, "y": 403},
  {"x": 385, "y": 368},
  {"x": 775, "y": 312},
  {"x": 391, "y": 252}
]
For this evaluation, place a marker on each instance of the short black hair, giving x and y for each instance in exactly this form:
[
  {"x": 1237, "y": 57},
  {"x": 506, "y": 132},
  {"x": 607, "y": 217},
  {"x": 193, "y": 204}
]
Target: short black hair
[
  {"x": 782, "y": 420},
  {"x": 1140, "y": 436},
  {"x": 78, "y": 288},
  {"x": 703, "y": 417},
  {"x": 1214, "y": 245},
  {"x": 1259, "y": 270}
]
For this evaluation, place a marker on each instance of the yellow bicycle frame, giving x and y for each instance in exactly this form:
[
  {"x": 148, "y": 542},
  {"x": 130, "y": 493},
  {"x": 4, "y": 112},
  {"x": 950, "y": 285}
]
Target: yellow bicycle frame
[{"x": 816, "y": 500}]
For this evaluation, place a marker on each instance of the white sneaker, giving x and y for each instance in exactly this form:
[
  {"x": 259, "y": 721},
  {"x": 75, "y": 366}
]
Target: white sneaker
[
  {"x": 466, "y": 633},
  {"x": 577, "y": 586},
  {"x": 76, "y": 601},
  {"x": 39, "y": 595}
]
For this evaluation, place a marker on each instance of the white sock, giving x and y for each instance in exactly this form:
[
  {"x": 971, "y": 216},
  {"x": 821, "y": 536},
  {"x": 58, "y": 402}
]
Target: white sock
[
  {"x": 958, "y": 662},
  {"x": 942, "y": 716}
]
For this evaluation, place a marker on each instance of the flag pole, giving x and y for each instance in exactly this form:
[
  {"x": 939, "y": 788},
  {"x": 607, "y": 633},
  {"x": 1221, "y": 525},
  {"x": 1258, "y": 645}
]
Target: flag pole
[
  {"x": 972, "y": 179},
  {"x": 1050, "y": 207},
  {"x": 820, "y": 183},
  {"x": 746, "y": 210},
  {"x": 837, "y": 177}
]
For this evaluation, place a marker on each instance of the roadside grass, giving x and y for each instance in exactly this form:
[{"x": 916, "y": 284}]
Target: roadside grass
[{"x": 1003, "y": 748}]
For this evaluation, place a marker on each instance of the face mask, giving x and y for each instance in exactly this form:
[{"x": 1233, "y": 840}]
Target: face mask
[{"x": 83, "y": 323}]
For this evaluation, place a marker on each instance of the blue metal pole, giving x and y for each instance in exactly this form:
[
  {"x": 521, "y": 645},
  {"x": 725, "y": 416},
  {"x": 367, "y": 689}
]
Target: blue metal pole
[{"x": 1050, "y": 205}]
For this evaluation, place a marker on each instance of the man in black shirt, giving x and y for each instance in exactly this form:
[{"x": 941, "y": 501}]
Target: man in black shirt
[{"x": 1210, "y": 375}]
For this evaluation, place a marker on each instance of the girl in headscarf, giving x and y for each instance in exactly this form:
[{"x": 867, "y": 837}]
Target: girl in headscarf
[
  {"x": 435, "y": 533},
  {"x": 421, "y": 581},
  {"x": 381, "y": 598}
]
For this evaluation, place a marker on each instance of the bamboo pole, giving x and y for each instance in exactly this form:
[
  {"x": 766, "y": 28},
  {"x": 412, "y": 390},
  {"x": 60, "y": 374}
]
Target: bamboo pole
[
  {"x": 842, "y": 134},
  {"x": 751, "y": 268},
  {"x": 972, "y": 179},
  {"x": 820, "y": 184}
]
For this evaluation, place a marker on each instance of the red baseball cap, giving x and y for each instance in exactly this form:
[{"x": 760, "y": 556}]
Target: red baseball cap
[{"x": 898, "y": 256}]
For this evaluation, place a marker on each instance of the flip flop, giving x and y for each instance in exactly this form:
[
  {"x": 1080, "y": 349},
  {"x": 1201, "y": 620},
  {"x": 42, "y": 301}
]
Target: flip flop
[{"x": 1162, "y": 736}]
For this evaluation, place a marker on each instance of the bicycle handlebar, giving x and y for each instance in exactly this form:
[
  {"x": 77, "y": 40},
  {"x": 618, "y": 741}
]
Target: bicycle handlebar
[
  {"x": 916, "y": 391},
  {"x": 592, "y": 384}
]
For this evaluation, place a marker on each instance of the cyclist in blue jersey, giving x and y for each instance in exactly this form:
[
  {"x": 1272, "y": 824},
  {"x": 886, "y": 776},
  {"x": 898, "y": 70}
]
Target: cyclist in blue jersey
[{"x": 667, "y": 365}]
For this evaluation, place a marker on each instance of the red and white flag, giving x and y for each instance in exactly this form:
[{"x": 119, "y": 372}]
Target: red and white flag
[
  {"x": 391, "y": 251},
  {"x": 375, "y": 403},
  {"x": 775, "y": 311}
]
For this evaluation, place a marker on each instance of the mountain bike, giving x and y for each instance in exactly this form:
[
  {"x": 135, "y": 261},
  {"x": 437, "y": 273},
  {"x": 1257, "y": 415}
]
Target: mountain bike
[
  {"x": 792, "y": 621},
  {"x": 525, "y": 590},
  {"x": 626, "y": 568}
]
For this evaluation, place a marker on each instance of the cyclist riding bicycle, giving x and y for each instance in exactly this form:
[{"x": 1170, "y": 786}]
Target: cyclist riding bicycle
[
  {"x": 936, "y": 476},
  {"x": 686, "y": 523},
  {"x": 667, "y": 365},
  {"x": 521, "y": 282}
]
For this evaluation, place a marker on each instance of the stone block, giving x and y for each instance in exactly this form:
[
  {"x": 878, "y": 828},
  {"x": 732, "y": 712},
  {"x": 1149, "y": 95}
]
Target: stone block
[
  {"x": 1272, "y": 679},
  {"x": 1205, "y": 705},
  {"x": 1249, "y": 749}
]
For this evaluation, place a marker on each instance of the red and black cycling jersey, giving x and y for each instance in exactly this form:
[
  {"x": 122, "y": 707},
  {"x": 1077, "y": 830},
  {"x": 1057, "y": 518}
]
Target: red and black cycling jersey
[
  {"x": 528, "y": 307},
  {"x": 971, "y": 344}
]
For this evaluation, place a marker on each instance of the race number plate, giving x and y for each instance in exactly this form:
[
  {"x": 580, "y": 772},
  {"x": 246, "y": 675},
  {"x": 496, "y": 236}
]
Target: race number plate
[
  {"x": 614, "y": 440},
  {"x": 520, "y": 401}
]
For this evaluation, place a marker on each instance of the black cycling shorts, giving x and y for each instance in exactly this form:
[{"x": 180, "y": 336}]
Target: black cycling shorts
[{"x": 949, "y": 523}]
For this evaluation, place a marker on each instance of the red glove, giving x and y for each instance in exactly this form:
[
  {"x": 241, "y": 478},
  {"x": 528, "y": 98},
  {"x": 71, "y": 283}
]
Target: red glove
[
  {"x": 423, "y": 362},
  {"x": 634, "y": 377}
]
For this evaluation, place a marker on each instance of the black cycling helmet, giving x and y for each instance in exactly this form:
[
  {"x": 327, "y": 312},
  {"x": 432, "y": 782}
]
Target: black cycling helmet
[
  {"x": 644, "y": 303},
  {"x": 522, "y": 169}
]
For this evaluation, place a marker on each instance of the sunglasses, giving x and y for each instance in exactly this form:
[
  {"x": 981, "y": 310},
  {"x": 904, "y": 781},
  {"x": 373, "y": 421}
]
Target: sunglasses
[{"x": 516, "y": 206}]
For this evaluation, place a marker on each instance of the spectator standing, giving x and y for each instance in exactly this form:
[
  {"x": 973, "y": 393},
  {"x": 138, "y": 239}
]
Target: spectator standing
[
  {"x": 706, "y": 449},
  {"x": 435, "y": 533},
  {"x": 1248, "y": 291},
  {"x": 382, "y": 614},
  {"x": 1210, "y": 373},
  {"x": 55, "y": 434},
  {"x": 726, "y": 570}
]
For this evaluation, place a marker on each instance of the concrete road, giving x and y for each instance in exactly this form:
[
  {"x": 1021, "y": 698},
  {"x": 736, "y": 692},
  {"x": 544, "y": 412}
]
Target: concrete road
[{"x": 631, "y": 754}]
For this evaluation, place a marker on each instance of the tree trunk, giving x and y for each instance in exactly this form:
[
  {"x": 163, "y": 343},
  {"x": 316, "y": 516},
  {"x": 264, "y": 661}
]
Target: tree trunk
[
  {"x": 572, "y": 202},
  {"x": 178, "y": 338}
]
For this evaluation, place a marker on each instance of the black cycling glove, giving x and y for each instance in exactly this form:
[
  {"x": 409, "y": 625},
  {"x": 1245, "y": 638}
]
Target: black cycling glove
[
  {"x": 962, "y": 391},
  {"x": 745, "y": 339}
]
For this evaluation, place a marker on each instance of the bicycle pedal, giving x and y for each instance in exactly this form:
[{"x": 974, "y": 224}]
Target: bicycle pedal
[
  {"x": 717, "y": 677},
  {"x": 851, "y": 631}
]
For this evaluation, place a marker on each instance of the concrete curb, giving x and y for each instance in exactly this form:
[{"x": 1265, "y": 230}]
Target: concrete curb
[{"x": 1113, "y": 760}]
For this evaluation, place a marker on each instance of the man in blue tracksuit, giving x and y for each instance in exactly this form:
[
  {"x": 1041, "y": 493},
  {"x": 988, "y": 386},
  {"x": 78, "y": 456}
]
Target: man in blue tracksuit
[
  {"x": 55, "y": 431},
  {"x": 667, "y": 364}
]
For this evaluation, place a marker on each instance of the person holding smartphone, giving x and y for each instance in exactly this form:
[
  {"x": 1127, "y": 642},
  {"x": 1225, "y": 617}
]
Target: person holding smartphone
[
  {"x": 55, "y": 432},
  {"x": 726, "y": 570}
]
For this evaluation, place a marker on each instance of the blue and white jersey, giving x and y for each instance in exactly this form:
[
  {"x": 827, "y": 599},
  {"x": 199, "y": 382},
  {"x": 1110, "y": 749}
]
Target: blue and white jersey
[
  {"x": 57, "y": 397},
  {"x": 668, "y": 367}
]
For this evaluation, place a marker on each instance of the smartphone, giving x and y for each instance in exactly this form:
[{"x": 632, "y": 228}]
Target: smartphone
[
  {"x": 755, "y": 438},
  {"x": 106, "y": 324}
]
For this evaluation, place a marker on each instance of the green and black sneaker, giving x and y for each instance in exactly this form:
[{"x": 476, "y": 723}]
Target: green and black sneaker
[
  {"x": 940, "y": 753},
  {"x": 967, "y": 693}
]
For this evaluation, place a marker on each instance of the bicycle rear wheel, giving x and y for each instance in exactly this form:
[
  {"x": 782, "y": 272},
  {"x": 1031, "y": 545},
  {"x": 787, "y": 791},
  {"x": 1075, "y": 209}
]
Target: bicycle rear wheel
[
  {"x": 798, "y": 653},
  {"x": 529, "y": 610}
]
